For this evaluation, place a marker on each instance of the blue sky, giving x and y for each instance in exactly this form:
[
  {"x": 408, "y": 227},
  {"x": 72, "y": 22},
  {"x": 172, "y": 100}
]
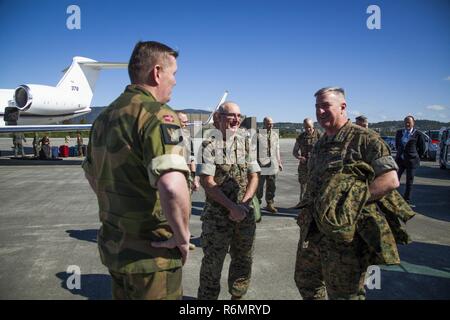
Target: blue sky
[{"x": 271, "y": 55}]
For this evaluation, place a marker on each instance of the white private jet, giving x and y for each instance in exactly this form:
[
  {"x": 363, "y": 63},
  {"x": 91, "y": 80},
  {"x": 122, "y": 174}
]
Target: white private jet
[{"x": 33, "y": 107}]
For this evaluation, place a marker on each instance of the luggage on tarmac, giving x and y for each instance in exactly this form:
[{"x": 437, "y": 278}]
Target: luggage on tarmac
[
  {"x": 73, "y": 152},
  {"x": 55, "y": 152},
  {"x": 64, "y": 151}
]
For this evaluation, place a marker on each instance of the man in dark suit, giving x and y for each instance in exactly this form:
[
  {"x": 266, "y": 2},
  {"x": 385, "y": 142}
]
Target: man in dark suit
[{"x": 410, "y": 145}]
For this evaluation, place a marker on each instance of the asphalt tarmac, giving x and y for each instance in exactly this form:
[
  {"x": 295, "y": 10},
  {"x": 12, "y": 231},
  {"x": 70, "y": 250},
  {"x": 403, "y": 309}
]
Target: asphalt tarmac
[{"x": 49, "y": 223}]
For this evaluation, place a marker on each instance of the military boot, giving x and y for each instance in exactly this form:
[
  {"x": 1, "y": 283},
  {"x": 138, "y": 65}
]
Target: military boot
[{"x": 271, "y": 208}]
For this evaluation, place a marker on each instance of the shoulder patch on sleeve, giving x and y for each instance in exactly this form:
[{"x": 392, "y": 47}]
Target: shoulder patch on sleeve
[{"x": 171, "y": 133}]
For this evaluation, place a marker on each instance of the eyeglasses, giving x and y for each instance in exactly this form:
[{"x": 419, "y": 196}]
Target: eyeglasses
[{"x": 232, "y": 115}]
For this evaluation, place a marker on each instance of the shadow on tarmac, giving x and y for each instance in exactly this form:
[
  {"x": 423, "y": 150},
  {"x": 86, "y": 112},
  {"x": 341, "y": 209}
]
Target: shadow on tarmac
[
  {"x": 430, "y": 200},
  {"x": 89, "y": 235},
  {"x": 30, "y": 161},
  {"x": 93, "y": 286},
  {"x": 432, "y": 172},
  {"x": 197, "y": 209},
  {"x": 423, "y": 274}
]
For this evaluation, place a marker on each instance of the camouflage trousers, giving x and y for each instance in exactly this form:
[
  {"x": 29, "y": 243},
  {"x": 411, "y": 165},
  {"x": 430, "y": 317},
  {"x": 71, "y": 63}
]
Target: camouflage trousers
[
  {"x": 219, "y": 237},
  {"x": 270, "y": 187},
  {"x": 162, "y": 285},
  {"x": 302, "y": 179},
  {"x": 326, "y": 267},
  {"x": 18, "y": 148}
]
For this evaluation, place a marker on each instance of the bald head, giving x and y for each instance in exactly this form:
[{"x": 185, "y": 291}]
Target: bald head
[
  {"x": 183, "y": 119},
  {"x": 228, "y": 117},
  {"x": 227, "y": 106},
  {"x": 308, "y": 125},
  {"x": 308, "y": 122},
  {"x": 268, "y": 123}
]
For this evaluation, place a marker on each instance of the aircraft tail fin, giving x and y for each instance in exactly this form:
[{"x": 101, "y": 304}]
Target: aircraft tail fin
[
  {"x": 82, "y": 75},
  {"x": 210, "y": 119}
]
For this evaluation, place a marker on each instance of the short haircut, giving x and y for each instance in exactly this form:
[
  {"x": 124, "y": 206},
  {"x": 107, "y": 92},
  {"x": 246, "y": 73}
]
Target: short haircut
[
  {"x": 144, "y": 58},
  {"x": 221, "y": 108},
  {"x": 308, "y": 120},
  {"x": 361, "y": 118},
  {"x": 414, "y": 120},
  {"x": 330, "y": 89}
]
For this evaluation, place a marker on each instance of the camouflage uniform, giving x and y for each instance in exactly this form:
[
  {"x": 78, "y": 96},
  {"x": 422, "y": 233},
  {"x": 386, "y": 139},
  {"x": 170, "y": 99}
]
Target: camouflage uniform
[
  {"x": 269, "y": 163},
  {"x": 18, "y": 139},
  {"x": 80, "y": 145},
  {"x": 220, "y": 235},
  {"x": 327, "y": 262},
  {"x": 131, "y": 145},
  {"x": 188, "y": 153},
  {"x": 304, "y": 143},
  {"x": 36, "y": 145}
]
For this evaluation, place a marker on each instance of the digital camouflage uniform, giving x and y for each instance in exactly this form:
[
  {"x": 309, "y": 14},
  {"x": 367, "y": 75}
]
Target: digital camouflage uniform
[
  {"x": 220, "y": 235},
  {"x": 131, "y": 145},
  {"x": 333, "y": 253},
  {"x": 303, "y": 147},
  {"x": 268, "y": 143}
]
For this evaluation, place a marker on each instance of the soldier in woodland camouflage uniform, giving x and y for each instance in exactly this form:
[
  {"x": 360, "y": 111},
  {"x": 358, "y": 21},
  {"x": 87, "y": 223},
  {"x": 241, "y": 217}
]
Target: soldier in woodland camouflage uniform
[
  {"x": 302, "y": 151},
  {"x": 18, "y": 139},
  {"x": 230, "y": 179},
  {"x": 362, "y": 121},
  {"x": 36, "y": 145},
  {"x": 136, "y": 168},
  {"x": 341, "y": 231}
]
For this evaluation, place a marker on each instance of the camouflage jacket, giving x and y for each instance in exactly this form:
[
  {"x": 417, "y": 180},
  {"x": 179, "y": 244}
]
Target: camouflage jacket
[
  {"x": 268, "y": 150},
  {"x": 340, "y": 171},
  {"x": 304, "y": 144},
  {"x": 230, "y": 164},
  {"x": 132, "y": 143}
]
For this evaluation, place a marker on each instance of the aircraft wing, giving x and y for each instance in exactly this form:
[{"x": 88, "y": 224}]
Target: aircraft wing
[{"x": 46, "y": 128}]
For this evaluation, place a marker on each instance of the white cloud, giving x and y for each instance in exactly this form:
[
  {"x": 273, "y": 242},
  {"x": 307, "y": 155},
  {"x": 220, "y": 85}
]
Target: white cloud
[
  {"x": 448, "y": 78},
  {"x": 436, "y": 107},
  {"x": 354, "y": 113}
]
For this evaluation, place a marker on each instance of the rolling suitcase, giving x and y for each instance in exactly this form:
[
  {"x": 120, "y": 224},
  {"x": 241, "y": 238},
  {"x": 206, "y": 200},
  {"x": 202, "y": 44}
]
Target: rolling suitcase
[
  {"x": 64, "y": 151},
  {"x": 55, "y": 152}
]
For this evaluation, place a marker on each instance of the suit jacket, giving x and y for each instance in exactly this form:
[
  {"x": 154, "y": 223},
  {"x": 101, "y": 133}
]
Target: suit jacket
[{"x": 413, "y": 149}]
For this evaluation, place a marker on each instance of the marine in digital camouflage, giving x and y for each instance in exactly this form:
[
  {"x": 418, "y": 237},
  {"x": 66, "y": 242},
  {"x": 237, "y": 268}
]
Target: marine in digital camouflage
[
  {"x": 131, "y": 144},
  {"x": 303, "y": 147},
  {"x": 341, "y": 233},
  {"x": 268, "y": 142},
  {"x": 220, "y": 235}
]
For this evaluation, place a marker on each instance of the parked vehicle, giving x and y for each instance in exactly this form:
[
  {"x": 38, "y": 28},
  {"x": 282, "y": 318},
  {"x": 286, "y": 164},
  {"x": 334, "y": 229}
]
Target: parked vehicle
[
  {"x": 444, "y": 148},
  {"x": 433, "y": 144},
  {"x": 390, "y": 140}
]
